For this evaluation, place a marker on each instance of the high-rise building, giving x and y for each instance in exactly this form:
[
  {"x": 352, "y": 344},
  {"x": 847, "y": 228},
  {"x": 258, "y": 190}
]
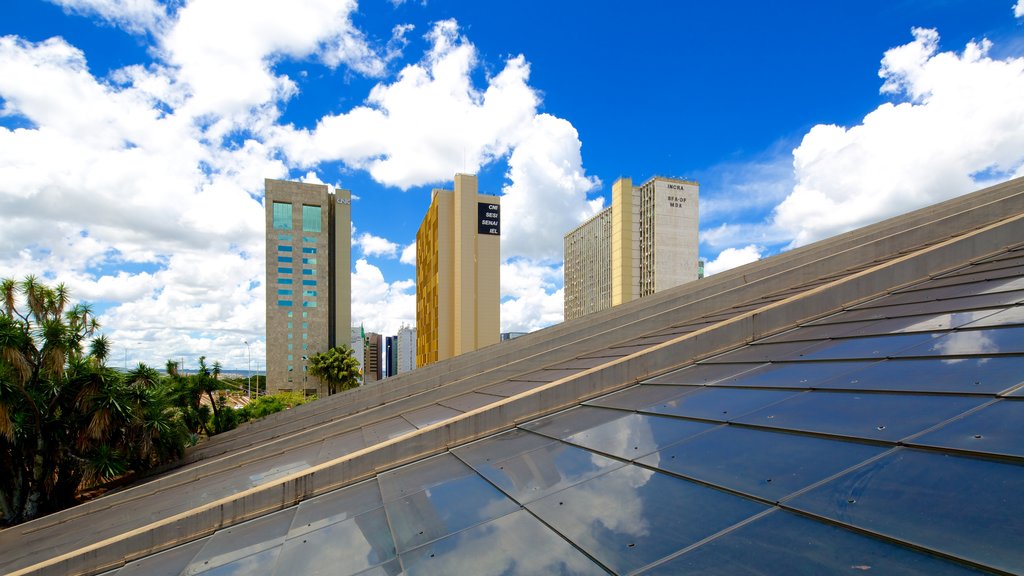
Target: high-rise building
[
  {"x": 390, "y": 356},
  {"x": 374, "y": 359},
  {"x": 458, "y": 253},
  {"x": 406, "y": 345},
  {"x": 357, "y": 342},
  {"x": 645, "y": 242},
  {"x": 309, "y": 239}
]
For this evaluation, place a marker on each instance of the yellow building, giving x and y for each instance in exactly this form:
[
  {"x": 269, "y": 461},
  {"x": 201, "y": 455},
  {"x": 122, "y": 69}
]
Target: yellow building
[
  {"x": 458, "y": 255},
  {"x": 645, "y": 242}
]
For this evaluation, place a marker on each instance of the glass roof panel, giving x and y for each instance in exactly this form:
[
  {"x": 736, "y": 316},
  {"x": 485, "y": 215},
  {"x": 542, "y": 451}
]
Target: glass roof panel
[
  {"x": 642, "y": 396},
  {"x": 420, "y": 475},
  {"x": 763, "y": 352},
  {"x": 633, "y": 516},
  {"x": 167, "y": 563},
  {"x": 982, "y": 375},
  {"x": 995, "y": 429},
  {"x": 517, "y": 543},
  {"x": 443, "y": 506},
  {"x": 260, "y": 537},
  {"x": 635, "y": 435},
  {"x": 800, "y": 375},
  {"x": 769, "y": 465},
  {"x": 877, "y": 347},
  {"x": 1014, "y": 315},
  {"x": 572, "y": 421},
  {"x": 258, "y": 563},
  {"x": 786, "y": 543},
  {"x": 336, "y": 506},
  {"x": 701, "y": 374},
  {"x": 966, "y": 507},
  {"x": 500, "y": 447},
  {"x": 722, "y": 404},
  {"x": 527, "y": 476},
  {"x": 344, "y": 547},
  {"x": 470, "y": 401},
  {"x": 1006, "y": 340},
  {"x": 966, "y": 303},
  {"x": 889, "y": 417},
  {"x": 428, "y": 415},
  {"x": 340, "y": 445}
]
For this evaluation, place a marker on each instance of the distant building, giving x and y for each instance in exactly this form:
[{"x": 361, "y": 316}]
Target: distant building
[
  {"x": 406, "y": 345},
  {"x": 373, "y": 358},
  {"x": 358, "y": 345},
  {"x": 390, "y": 356},
  {"x": 308, "y": 239},
  {"x": 512, "y": 335},
  {"x": 458, "y": 253},
  {"x": 645, "y": 242}
]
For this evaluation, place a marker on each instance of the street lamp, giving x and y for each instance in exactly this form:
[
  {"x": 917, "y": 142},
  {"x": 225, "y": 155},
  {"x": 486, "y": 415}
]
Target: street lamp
[{"x": 248, "y": 376}]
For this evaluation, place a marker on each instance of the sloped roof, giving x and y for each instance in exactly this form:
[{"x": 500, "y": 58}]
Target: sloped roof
[{"x": 851, "y": 405}]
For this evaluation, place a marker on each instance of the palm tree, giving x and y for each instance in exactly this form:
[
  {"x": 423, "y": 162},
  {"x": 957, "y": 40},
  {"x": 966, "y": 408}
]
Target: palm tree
[{"x": 337, "y": 367}]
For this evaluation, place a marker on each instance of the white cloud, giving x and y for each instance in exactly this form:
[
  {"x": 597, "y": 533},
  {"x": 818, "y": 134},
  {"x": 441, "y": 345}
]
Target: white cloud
[
  {"x": 1018, "y": 10},
  {"x": 135, "y": 16},
  {"x": 376, "y": 246},
  {"x": 960, "y": 127},
  {"x": 532, "y": 296},
  {"x": 733, "y": 257},
  {"x": 380, "y": 306},
  {"x": 409, "y": 255}
]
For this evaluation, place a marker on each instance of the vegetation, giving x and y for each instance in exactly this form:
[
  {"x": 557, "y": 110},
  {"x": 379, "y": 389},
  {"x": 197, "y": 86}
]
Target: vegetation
[
  {"x": 266, "y": 405},
  {"x": 66, "y": 419},
  {"x": 337, "y": 367}
]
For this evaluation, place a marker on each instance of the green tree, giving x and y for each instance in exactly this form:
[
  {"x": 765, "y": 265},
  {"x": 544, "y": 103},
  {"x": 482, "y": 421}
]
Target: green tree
[
  {"x": 337, "y": 367},
  {"x": 266, "y": 405},
  {"x": 67, "y": 420}
]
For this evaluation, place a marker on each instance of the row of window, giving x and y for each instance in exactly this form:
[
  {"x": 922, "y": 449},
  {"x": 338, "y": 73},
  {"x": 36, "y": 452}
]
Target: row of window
[
  {"x": 289, "y": 270},
  {"x": 290, "y": 281},
  {"x": 289, "y": 238},
  {"x": 282, "y": 217},
  {"x": 288, "y": 292},
  {"x": 289, "y": 303}
]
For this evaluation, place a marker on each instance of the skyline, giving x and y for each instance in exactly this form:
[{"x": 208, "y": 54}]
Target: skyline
[{"x": 798, "y": 121}]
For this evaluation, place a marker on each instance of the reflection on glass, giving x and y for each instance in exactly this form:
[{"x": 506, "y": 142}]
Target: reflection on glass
[
  {"x": 258, "y": 563},
  {"x": 802, "y": 375},
  {"x": 995, "y": 429},
  {"x": 988, "y": 375},
  {"x": 634, "y": 435},
  {"x": 889, "y": 417},
  {"x": 722, "y": 404},
  {"x": 234, "y": 548},
  {"x": 167, "y": 563},
  {"x": 792, "y": 544},
  {"x": 702, "y": 374},
  {"x": 344, "y": 547},
  {"x": 769, "y": 465},
  {"x": 336, "y": 506},
  {"x": 642, "y": 396},
  {"x": 966, "y": 507},
  {"x": 1007, "y": 317},
  {"x": 514, "y": 544},
  {"x": 572, "y": 421},
  {"x": 866, "y": 347},
  {"x": 633, "y": 516},
  {"x": 1007, "y": 340}
]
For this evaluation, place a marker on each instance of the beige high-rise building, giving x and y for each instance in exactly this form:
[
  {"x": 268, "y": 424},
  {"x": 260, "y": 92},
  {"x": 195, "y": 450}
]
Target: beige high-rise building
[
  {"x": 458, "y": 256},
  {"x": 645, "y": 242},
  {"x": 309, "y": 282}
]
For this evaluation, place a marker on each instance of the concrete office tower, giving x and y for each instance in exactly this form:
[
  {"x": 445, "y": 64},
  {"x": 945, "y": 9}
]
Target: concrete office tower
[
  {"x": 646, "y": 241},
  {"x": 406, "y": 344},
  {"x": 458, "y": 254},
  {"x": 309, "y": 286},
  {"x": 374, "y": 359},
  {"x": 390, "y": 356}
]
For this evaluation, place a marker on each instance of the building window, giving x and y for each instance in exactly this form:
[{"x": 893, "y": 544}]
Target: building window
[
  {"x": 284, "y": 280},
  {"x": 309, "y": 293},
  {"x": 289, "y": 325},
  {"x": 282, "y": 216},
  {"x": 290, "y": 314},
  {"x": 284, "y": 292},
  {"x": 308, "y": 272},
  {"x": 285, "y": 258},
  {"x": 305, "y": 325},
  {"x": 305, "y": 314},
  {"x": 290, "y": 358},
  {"x": 290, "y": 368},
  {"x": 308, "y": 250},
  {"x": 290, "y": 335},
  {"x": 284, "y": 248},
  {"x": 309, "y": 304},
  {"x": 284, "y": 302},
  {"x": 309, "y": 282},
  {"x": 284, "y": 270},
  {"x": 309, "y": 261},
  {"x": 284, "y": 237},
  {"x": 305, "y": 336},
  {"x": 290, "y": 346},
  {"x": 310, "y": 218},
  {"x": 305, "y": 346},
  {"x": 309, "y": 239}
]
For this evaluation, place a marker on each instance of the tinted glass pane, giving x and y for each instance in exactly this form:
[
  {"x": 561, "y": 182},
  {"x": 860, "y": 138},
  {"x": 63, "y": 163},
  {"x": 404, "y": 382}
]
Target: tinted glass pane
[
  {"x": 762, "y": 352},
  {"x": 801, "y": 375},
  {"x": 966, "y": 507},
  {"x": 924, "y": 323},
  {"x": 429, "y": 415},
  {"x": 1008, "y": 316},
  {"x": 310, "y": 218},
  {"x": 935, "y": 306},
  {"x": 877, "y": 347},
  {"x": 635, "y": 435},
  {"x": 633, "y": 516},
  {"x": 344, "y": 547},
  {"x": 995, "y": 429},
  {"x": 514, "y": 544},
  {"x": 723, "y": 404},
  {"x": 258, "y": 563},
  {"x": 641, "y": 396},
  {"x": 967, "y": 375},
  {"x": 500, "y": 447},
  {"x": 436, "y": 498},
  {"x": 572, "y": 421},
  {"x": 770, "y": 465},
  {"x": 531, "y": 475},
  {"x": 785, "y": 543},
  {"x": 1007, "y": 340},
  {"x": 168, "y": 563},
  {"x": 336, "y": 506},
  {"x": 228, "y": 545},
  {"x": 700, "y": 374},
  {"x": 890, "y": 417},
  {"x": 282, "y": 216},
  {"x": 819, "y": 331}
]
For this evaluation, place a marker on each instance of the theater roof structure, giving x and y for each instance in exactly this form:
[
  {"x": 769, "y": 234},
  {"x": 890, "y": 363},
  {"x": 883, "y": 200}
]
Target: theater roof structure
[{"x": 854, "y": 405}]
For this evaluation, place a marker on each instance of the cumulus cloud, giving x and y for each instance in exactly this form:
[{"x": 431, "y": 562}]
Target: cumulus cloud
[
  {"x": 1018, "y": 9},
  {"x": 409, "y": 255},
  {"x": 376, "y": 246},
  {"x": 136, "y": 16},
  {"x": 733, "y": 257},
  {"x": 957, "y": 126},
  {"x": 532, "y": 295},
  {"x": 378, "y": 305}
]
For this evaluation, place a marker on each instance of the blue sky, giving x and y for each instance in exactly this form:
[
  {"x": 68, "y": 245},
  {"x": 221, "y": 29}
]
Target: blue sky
[{"x": 135, "y": 135}]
